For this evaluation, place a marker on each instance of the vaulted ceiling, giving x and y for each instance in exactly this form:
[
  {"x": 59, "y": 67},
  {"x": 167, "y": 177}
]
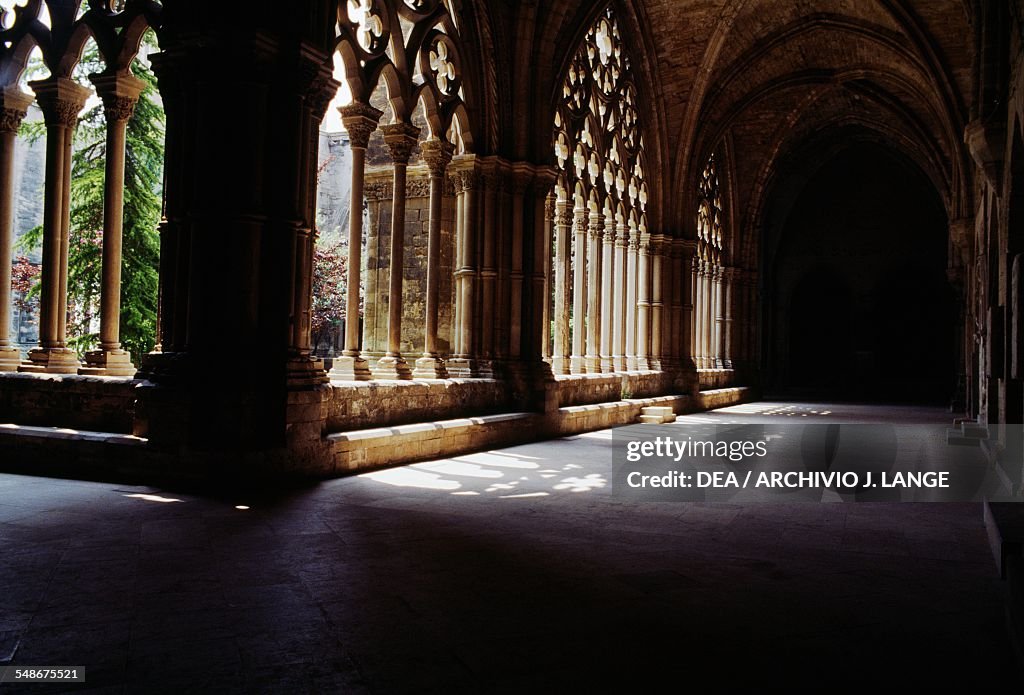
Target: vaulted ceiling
[{"x": 758, "y": 78}]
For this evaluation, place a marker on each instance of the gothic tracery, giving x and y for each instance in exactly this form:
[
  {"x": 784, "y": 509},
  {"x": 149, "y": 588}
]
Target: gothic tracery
[
  {"x": 599, "y": 149},
  {"x": 710, "y": 276}
]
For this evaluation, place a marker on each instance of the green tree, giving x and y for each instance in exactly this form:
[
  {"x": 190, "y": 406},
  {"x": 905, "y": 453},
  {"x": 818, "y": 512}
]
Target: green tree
[{"x": 142, "y": 201}]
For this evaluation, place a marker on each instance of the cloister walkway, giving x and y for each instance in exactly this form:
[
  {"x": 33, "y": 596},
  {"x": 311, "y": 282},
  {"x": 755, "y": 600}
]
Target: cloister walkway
[{"x": 507, "y": 571}]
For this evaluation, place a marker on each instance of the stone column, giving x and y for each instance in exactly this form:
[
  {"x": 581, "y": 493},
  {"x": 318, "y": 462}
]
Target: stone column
[
  {"x": 688, "y": 286},
  {"x": 577, "y": 362},
  {"x": 488, "y": 271},
  {"x": 536, "y": 301},
  {"x": 699, "y": 313},
  {"x": 463, "y": 362},
  {"x": 631, "y": 289},
  {"x": 657, "y": 301},
  {"x": 119, "y": 94},
  {"x": 360, "y": 121},
  {"x": 455, "y": 178},
  {"x": 716, "y": 316},
  {"x": 548, "y": 233},
  {"x": 522, "y": 176},
  {"x": 709, "y": 314},
  {"x": 13, "y": 106},
  {"x": 563, "y": 280},
  {"x": 607, "y": 291},
  {"x": 400, "y": 139},
  {"x": 61, "y": 99},
  {"x": 728, "y": 276},
  {"x": 470, "y": 274},
  {"x": 496, "y": 316},
  {"x": 437, "y": 154},
  {"x": 619, "y": 297},
  {"x": 643, "y": 316},
  {"x": 678, "y": 285},
  {"x": 720, "y": 317},
  {"x": 593, "y": 356}
]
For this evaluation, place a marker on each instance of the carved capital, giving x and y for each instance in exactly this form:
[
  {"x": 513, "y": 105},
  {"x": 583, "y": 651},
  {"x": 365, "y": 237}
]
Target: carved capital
[
  {"x": 60, "y": 112},
  {"x": 119, "y": 92},
  {"x": 464, "y": 180},
  {"x": 320, "y": 94},
  {"x": 360, "y": 121},
  {"x": 580, "y": 221},
  {"x": 490, "y": 175},
  {"x": 521, "y": 177},
  {"x": 471, "y": 180},
  {"x": 645, "y": 243},
  {"x": 400, "y": 138},
  {"x": 118, "y": 108},
  {"x": 563, "y": 213},
  {"x": 61, "y": 100},
  {"x": 10, "y": 120},
  {"x": 13, "y": 106},
  {"x": 437, "y": 154},
  {"x": 544, "y": 179}
]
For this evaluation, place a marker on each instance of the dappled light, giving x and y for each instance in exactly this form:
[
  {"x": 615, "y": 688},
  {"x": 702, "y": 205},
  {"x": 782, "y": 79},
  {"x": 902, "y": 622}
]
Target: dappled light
[
  {"x": 147, "y": 497},
  {"x": 505, "y": 474}
]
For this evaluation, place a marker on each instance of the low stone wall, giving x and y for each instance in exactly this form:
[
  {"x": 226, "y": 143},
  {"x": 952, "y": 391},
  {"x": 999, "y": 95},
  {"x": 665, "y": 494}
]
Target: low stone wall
[
  {"x": 585, "y": 418},
  {"x": 74, "y": 425},
  {"x": 103, "y": 404},
  {"x": 720, "y": 398},
  {"x": 390, "y": 446},
  {"x": 64, "y": 452},
  {"x": 711, "y": 379},
  {"x": 364, "y": 404},
  {"x": 575, "y": 419},
  {"x": 586, "y": 389}
]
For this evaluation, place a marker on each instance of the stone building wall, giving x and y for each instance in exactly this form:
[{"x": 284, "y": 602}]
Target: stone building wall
[
  {"x": 334, "y": 187},
  {"x": 378, "y": 259},
  {"x": 29, "y": 168}
]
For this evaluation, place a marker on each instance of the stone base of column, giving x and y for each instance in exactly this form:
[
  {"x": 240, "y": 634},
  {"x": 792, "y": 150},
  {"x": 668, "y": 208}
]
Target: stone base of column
[
  {"x": 10, "y": 359},
  {"x": 631, "y": 363},
  {"x": 51, "y": 361},
  {"x": 577, "y": 365},
  {"x": 642, "y": 364},
  {"x": 619, "y": 363},
  {"x": 430, "y": 368},
  {"x": 392, "y": 368},
  {"x": 305, "y": 372},
  {"x": 592, "y": 363},
  {"x": 351, "y": 368},
  {"x": 654, "y": 364},
  {"x": 560, "y": 365},
  {"x": 607, "y": 365},
  {"x": 108, "y": 363},
  {"x": 462, "y": 368}
]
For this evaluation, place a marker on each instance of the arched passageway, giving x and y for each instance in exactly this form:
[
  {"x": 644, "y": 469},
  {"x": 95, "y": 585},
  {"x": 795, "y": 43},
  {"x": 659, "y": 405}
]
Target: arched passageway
[{"x": 858, "y": 306}]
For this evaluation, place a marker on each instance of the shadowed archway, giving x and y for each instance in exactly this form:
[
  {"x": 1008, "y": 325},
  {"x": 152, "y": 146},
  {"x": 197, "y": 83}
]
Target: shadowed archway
[{"x": 857, "y": 302}]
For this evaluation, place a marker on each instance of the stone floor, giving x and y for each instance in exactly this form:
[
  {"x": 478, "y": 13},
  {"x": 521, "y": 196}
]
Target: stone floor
[{"x": 509, "y": 571}]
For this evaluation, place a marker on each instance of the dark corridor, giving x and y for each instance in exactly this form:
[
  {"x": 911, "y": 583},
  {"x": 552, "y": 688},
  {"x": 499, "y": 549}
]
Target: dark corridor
[{"x": 858, "y": 306}]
